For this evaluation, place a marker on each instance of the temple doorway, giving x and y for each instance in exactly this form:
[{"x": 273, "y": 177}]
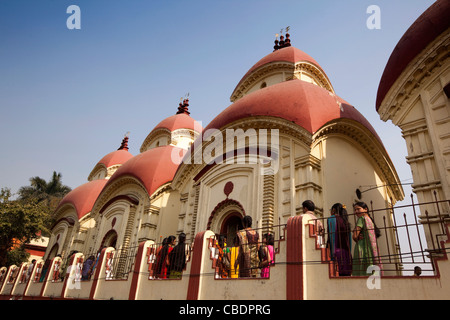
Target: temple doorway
[
  {"x": 109, "y": 240},
  {"x": 53, "y": 252},
  {"x": 230, "y": 226}
]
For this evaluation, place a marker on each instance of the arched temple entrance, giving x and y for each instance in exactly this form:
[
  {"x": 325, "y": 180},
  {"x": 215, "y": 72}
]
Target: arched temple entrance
[
  {"x": 109, "y": 240},
  {"x": 230, "y": 226},
  {"x": 53, "y": 252},
  {"x": 226, "y": 219}
]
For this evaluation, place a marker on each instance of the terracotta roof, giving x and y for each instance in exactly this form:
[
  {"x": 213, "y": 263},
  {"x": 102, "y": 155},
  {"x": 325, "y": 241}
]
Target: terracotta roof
[
  {"x": 305, "y": 104},
  {"x": 179, "y": 121},
  {"x": 152, "y": 168},
  {"x": 84, "y": 197},
  {"x": 289, "y": 54},
  {"x": 116, "y": 157}
]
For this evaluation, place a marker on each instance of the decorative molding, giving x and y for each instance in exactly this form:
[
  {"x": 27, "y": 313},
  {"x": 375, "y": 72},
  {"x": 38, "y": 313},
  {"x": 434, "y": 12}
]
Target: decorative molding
[
  {"x": 315, "y": 73},
  {"x": 97, "y": 169},
  {"x": 195, "y": 209},
  {"x": 67, "y": 220},
  {"x": 258, "y": 75},
  {"x": 289, "y": 71},
  {"x": 408, "y": 84},
  {"x": 161, "y": 190},
  {"x": 268, "y": 214},
  {"x": 308, "y": 160},
  {"x": 223, "y": 205},
  {"x": 182, "y": 133},
  {"x": 155, "y": 134},
  {"x": 119, "y": 198},
  {"x": 117, "y": 189}
]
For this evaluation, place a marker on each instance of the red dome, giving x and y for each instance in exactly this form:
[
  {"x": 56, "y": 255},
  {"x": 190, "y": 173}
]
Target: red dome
[
  {"x": 433, "y": 22},
  {"x": 288, "y": 54},
  {"x": 116, "y": 157},
  {"x": 84, "y": 197},
  {"x": 305, "y": 104},
  {"x": 152, "y": 168},
  {"x": 179, "y": 121}
]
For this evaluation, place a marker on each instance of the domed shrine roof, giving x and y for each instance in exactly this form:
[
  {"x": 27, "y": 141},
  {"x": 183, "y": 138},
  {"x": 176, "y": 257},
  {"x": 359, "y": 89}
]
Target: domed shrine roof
[
  {"x": 433, "y": 22},
  {"x": 298, "y": 91},
  {"x": 177, "y": 121},
  {"x": 83, "y": 197},
  {"x": 152, "y": 168},
  {"x": 288, "y": 54},
  {"x": 303, "y": 103},
  {"x": 180, "y": 120},
  {"x": 120, "y": 156},
  {"x": 285, "y": 63},
  {"x": 115, "y": 158}
]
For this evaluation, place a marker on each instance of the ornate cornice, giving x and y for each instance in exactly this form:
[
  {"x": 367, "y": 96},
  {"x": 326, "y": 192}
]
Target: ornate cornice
[
  {"x": 258, "y": 75},
  {"x": 70, "y": 221},
  {"x": 116, "y": 189},
  {"x": 162, "y": 189},
  {"x": 157, "y": 133},
  {"x": 290, "y": 71},
  {"x": 118, "y": 198},
  {"x": 407, "y": 86},
  {"x": 180, "y": 133},
  {"x": 314, "y": 72},
  {"x": 98, "y": 167},
  {"x": 308, "y": 160}
]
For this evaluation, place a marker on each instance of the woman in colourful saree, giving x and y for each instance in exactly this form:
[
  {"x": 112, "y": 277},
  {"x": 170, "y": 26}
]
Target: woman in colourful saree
[
  {"x": 222, "y": 267},
  {"x": 340, "y": 239},
  {"x": 248, "y": 250},
  {"x": 234, "y": 253},
  {"x": 163, "y": 264},
  {"x": 366, "y": 249},
  {"x": 268, "y": 261}
]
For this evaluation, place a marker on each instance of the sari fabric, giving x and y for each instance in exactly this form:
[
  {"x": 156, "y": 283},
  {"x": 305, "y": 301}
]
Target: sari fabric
[
  {"x": 161, "y": 264},
  {"x": 366, "y": 249},
  {"x": 234, "y": 272},
  {"x": 249, "y": 260},
  {"x": 265, "y": 271},
  {"x": 222, "y": 271},
  {"x": 340, "y": 240}
]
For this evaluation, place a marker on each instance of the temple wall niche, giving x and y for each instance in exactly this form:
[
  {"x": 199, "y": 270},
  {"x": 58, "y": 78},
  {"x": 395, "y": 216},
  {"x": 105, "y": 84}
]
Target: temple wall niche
[{"x": 244, "y": 190}]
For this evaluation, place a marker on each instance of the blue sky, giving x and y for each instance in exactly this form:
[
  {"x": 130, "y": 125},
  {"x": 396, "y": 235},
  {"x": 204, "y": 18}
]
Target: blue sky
[{"x": 67, "y": 97}]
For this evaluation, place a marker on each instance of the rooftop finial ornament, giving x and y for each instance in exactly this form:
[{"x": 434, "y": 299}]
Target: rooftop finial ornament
[
  {"x": 276, "y": 46},
  {"x": 124, "y": 144},
  {"x": 282, "y": 43},
  {"x": 287, "y": 42},
  {"x": 183, "y": 106}
]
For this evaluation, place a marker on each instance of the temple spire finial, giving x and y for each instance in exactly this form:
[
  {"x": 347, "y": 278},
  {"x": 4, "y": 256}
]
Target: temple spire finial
[
  {"x": 124, "y": 144},
  {"x": 282, "y": 43},
  {"x": 287, "y": 42},
  {"x": 276, "y": 46},
  {"x": 183, "y": 106}
]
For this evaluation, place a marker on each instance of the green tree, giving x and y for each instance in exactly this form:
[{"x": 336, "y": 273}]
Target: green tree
[
  {"x": 20, "y": 222},
  {"x": 17, "y": 255},
  {"x": 48, "y": 193}
]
